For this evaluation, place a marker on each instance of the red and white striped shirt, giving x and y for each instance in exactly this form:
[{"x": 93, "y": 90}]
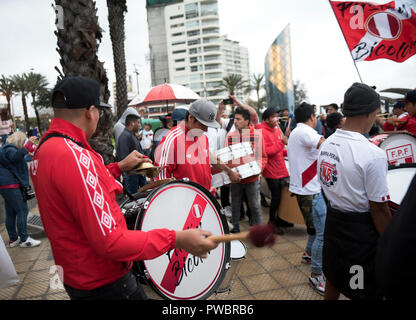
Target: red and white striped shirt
[
  {"x": 84, "y": 224},
  {"x": 184, "y": 156}
]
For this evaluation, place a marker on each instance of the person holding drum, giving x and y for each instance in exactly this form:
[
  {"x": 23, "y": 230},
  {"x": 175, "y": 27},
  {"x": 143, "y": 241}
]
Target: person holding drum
[
  {"x": 250, "y": 186},
  {"x": 352, "y": 173},
  {"x": 184, "y": 150},
  {"x": 76, "y": 195}
]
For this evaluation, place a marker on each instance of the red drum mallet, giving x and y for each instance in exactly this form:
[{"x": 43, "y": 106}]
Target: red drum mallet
[{"x": 259, "y": 235}]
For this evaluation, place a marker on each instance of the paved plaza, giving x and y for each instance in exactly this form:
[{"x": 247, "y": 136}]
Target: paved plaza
[{"x": 270, "y": 273}]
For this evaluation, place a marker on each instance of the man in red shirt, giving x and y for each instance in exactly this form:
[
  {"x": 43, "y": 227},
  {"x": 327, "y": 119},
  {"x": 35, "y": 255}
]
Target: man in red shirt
[
  {"x": 76, "y": 198},
  {"x": 275, "y": 170},
  {"x": 184, "y": 150},
  {"x": 405, "y": 122},
  {"x": 245, "y": 132}
]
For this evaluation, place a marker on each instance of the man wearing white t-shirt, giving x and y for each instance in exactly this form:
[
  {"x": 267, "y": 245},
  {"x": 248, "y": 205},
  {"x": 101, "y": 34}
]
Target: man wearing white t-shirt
[
  {"x": 303, "y": 148},
  {"x": 352, "y": 172}
]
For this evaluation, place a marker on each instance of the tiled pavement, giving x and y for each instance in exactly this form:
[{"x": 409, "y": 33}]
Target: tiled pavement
[{"x": 270, "y": 273}]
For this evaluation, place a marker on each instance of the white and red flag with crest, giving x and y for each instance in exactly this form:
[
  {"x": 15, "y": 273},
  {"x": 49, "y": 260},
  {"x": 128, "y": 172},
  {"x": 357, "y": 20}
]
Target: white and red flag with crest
[{"x": 378, "y": 31}]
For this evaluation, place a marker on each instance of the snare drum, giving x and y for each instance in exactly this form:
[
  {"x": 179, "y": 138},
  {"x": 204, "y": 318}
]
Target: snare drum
[
  {"x": 181, "y": 205},
  {"x": 400, "y": 147},
  {"x": 238, "y": 253},
  {"x": 398, "y": 182}
]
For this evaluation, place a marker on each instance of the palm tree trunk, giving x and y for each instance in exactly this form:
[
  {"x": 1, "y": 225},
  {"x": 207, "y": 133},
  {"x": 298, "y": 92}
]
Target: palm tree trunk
[
  {"x": 27, "y": 124},
  {"x": 116, "y": 10},
  {"x": 78, "y": 44},
  {"x": 37, "y": 114}
]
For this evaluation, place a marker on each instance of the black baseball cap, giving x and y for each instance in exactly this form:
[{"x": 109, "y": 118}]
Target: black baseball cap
[
  {"x": 411, "y": 96},
  {"x": 78, "y": 92}
]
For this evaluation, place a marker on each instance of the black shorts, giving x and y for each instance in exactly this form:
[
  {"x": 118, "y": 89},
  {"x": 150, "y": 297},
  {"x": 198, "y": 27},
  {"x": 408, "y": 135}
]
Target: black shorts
[{"x": 348, "y": 256}]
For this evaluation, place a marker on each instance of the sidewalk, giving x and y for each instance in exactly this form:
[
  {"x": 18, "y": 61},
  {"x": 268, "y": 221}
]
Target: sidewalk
[{"x": 270, "y": 273}]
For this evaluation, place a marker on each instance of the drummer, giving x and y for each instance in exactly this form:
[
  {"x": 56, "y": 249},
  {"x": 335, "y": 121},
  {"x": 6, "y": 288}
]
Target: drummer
[
  {"x": 76, "y": 195},
  {"x": 184, "y": 150},
  {"x": 352, "y": 173},
  {"x": 399, "y": 113},
  {"x": 407, "y": 122}
]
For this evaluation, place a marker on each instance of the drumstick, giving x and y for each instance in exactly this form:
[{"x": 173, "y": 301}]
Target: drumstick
[
  {"x": 230, "y": 237},
  {"x": 259, "y": 235}
]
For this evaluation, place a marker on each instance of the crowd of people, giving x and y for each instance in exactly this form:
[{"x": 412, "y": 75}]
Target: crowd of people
[{"x": 337, "y": 176}]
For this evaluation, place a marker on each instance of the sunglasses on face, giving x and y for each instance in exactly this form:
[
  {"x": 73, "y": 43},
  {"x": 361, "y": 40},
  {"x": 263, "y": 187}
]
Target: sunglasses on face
[{"x": 100, "y": 111}]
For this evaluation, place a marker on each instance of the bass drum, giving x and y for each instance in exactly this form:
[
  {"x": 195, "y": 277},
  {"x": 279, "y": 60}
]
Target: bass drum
[
  {"x": 400, "y": 147},
  {"x": 398, "y": 182},
  {"x": 177, "y": 275}
]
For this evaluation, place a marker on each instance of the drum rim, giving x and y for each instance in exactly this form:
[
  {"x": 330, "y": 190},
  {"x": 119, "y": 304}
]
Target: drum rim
[
  {"x": 401, "y": 166},
  {"x": 396, "y": 134},
  {"x": 245, "y": 249},
  {"x": 227, "y": 246}
]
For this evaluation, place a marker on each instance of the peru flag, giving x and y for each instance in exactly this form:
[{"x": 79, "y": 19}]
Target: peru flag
[{"x": 378, "y": 31}]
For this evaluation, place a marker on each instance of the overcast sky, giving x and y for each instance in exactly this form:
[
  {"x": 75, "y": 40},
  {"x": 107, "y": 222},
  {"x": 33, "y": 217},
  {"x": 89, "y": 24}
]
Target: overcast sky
[{"x": 320, "y": 57}]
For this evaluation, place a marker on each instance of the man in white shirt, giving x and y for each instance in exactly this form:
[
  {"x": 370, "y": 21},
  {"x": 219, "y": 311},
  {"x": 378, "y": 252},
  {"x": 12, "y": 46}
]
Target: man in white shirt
[
  {"x": 303, "y": 149},
  {"x": 352, "y": 172}
]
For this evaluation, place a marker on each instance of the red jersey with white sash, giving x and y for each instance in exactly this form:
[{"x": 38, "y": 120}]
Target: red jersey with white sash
[
  {"x": 302, "y": 154},
  {"x": 83, "y": 222},
  {"x": 184, "y": 156}
]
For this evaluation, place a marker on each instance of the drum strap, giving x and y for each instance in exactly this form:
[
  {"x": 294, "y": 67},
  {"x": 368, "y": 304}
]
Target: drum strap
[{"x": 59, "y": 135}]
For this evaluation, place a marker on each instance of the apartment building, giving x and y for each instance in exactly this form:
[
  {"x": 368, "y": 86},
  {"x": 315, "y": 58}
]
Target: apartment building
[{"x": 187, "y": 48}]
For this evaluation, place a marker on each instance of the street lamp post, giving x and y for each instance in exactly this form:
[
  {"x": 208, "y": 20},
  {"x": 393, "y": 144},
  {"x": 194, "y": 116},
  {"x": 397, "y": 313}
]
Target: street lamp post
[{"x": 137, "y": 78}]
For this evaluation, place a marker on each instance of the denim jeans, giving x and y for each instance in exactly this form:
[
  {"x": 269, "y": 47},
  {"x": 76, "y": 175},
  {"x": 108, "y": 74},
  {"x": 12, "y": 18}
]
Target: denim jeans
[
  {"x": 252, "y": 190},
  {"x": 134, "y": 182},
  {"x": 316, "y": 242},
  {"x": 4, "y": 138},
  {"x": 16, "y": 213}
]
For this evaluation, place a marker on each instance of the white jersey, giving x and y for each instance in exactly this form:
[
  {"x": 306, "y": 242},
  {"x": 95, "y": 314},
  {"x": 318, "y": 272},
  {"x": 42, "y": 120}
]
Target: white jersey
[
  {"x": 302, "y": 153},
  {"x": 352, "y": 172}
]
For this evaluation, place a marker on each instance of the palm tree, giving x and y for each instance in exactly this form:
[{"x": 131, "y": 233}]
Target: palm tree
[
  {"x": 300, "y": 92},
  {"x": 78, "y": 43},
  {"x": 232, "y": 84},
  {"x": 7, "y": 89},
  {"x": 21, "y": 85},
  {"x": 257, "y": 85},
  {"x": 36, "y": 84},
  {"x": 116, "y": 11}
]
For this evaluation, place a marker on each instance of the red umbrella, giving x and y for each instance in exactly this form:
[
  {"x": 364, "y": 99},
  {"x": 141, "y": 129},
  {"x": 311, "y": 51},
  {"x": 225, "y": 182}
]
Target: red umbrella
[{"x": 169, "y": 93}]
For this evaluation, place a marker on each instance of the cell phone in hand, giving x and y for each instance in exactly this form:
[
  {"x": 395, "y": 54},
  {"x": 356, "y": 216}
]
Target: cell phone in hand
[{"x": 228, "y": 101}]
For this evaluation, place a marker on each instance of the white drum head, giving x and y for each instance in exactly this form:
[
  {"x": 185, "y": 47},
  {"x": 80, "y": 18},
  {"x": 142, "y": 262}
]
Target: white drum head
[
  {"x": 398, "y": 182},
  {"x": 400, "y": 148},
  {"x": 238, "y": 250},
  {"x": 178, "y": 275}
]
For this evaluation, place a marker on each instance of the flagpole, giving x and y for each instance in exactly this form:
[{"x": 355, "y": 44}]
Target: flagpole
[{"x": 355, "y": 65}]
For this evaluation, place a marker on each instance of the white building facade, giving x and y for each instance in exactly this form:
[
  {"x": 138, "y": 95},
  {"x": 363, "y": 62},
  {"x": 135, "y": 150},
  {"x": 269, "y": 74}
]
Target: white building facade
[{"x": 187, "y": 47}]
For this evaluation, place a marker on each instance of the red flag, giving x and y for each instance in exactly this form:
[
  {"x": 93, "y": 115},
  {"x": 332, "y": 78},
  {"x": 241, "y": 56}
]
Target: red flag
[{"x": 373, "y": 31}]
